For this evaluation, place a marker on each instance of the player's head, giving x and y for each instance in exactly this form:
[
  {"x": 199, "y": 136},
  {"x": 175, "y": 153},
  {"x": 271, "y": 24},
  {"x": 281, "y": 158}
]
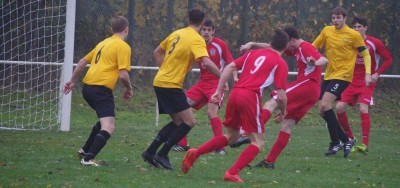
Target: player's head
[
  {"x": 196, "y": 17},
  {"x": 279, "y": 40},
  {"x": 339, "y": 15},
  {"x": 293, "y": 37},
  {"x": 120, "y": 24},
  {"x": 207, "y": 31},
  {"x": 360, "y": 24}
]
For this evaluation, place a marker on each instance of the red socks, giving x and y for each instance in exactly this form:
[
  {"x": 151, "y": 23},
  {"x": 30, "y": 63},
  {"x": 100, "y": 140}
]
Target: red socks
[
  {"x": 183, "y": 142},
  {"x": 277, "y": 148},
  {"x": 344, "y": 122},
  {"x": 213, "y": 144},
  {"x": 244, "y": 159},
  {"x": 216, "y": 125},
  {"x": 265, "y": 116},
  {"x": 365, "y": 127}
]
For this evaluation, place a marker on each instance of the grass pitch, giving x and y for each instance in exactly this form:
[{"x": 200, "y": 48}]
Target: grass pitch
[{"x": 48, "y": 158}]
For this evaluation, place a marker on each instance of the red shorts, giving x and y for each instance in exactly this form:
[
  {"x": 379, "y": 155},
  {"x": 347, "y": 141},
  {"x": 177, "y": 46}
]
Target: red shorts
[
  {"x": 202, "y": 91},
  {"x": 301, "y": 96},
  {"x": 353, "y": 92},
  {"x": 243, "y": 111}
]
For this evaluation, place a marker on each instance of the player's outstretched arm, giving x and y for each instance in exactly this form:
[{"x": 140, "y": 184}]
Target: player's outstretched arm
[
  {"x": 77, "y": 71},
  {"x": 246, "y": 47},
  {"x": 320, "y": 62}
]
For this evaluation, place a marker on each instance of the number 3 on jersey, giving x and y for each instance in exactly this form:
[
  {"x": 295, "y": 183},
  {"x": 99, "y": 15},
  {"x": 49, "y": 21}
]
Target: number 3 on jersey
[
  {"x": 257, "y": 64},
  {"x": 174, "y": 44}
]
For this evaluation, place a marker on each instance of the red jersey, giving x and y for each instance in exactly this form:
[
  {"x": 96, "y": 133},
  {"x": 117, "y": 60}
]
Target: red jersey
[
  {"x": 260, "y": 68},
  {"x": 377, "y": 50},
  {"x": 219, "y": 53},
  {"x": 301, "y": 54}
]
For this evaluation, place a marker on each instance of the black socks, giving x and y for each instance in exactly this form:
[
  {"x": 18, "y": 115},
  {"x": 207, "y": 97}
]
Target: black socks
[
  {"x": 176, "y": 135},
  {"x": 89, "y": 141},
  {"x": 99, "y": 142},
  {"x": 335, "y": 130},
  {"x": 161, "y": 137}
]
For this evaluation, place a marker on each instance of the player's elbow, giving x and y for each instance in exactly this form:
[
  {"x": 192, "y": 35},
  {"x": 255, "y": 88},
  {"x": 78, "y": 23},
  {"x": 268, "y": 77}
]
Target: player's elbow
[{"x": 123, "y": 75}]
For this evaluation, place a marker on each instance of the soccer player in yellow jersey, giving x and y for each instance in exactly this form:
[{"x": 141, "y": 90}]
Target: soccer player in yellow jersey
[
  {"x": 175, "y": 56},
  {"x": 341, "y": 45},
  {"x": 109, "y": 61}
]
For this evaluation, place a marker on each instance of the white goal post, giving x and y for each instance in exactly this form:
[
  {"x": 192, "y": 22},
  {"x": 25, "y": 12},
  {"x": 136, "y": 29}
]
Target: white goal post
[{"x": 36, "y": 51}]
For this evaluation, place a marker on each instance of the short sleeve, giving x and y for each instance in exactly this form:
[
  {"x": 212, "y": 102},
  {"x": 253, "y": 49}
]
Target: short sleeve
[
  {"x": 198, "y": 48},
  {"x": 124, "y": 57},
  {"x": 89, "y": 56},
  {"x": 319, "y": 41},
  {"x": 240, "y": 61},
  {"x": 310, "y": 51},
  {"x": 358, "y": 40},
  {"x": 281, "y": 75}
]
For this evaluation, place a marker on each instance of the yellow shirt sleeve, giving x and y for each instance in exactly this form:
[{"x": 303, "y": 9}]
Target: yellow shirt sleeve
[
  {"x": 367, "y": 60},
  {"x": 199, "y": 48},
  {"x": 319, "y": 41}
]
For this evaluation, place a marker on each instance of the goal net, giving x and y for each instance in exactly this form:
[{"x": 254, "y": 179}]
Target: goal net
[{"x": 32, "y": 50}]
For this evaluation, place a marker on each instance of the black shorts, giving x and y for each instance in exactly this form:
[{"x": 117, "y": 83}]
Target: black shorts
[
  {"x": 335, "y": 87},
  {"x": 101, "y": 99},
  {"x": 171, "y": 100}
]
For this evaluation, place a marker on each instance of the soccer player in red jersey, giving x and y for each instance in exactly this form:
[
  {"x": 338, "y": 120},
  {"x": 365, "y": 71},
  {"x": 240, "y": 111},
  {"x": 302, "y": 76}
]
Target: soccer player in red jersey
[
  {"x": 357, "y": 90},
  {"x": 302, "y": 94},
  {"x": 260, "y": 68},
  {"x": 200, "y": 94}
]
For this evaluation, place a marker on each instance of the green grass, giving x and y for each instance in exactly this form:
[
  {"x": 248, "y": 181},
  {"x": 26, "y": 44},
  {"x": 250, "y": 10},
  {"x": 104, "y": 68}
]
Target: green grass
[{"x": 48, "y": 158}]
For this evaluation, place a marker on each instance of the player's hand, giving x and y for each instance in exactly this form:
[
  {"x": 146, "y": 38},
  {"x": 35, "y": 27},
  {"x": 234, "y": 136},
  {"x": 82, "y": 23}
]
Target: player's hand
[
  {"x": 68, "y": 87},
  {"x": 310, "y": 61},
  {"x": 368, "y": 79},
  {"x": 374, "y": 77},
  {"x": 235, "y": 79},
  {"x": 246, "y": 47},
  {"x": 127, "y": 94},
  {"x": 279, "y": 117},
  {"x": 216, "y": 97},
  {"x": 226, "y": 87}
]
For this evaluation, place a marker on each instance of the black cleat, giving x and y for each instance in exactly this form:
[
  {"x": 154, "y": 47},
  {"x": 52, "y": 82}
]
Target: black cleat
[
  {"x": 348, "y": 146},
  {"x": 180, "y": 148},
  {"x": 81, "y": 153},
  {"x": 333, "y": 149},
  {"x": 242, "y": 140},
  {"x": 265, "y": 164},
  {"x": 163, "y": 161},
  {"x": 147, "y": 157}
]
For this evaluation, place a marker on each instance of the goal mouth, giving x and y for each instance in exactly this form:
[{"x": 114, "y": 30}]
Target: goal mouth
[{"x": 32, "y": 51}]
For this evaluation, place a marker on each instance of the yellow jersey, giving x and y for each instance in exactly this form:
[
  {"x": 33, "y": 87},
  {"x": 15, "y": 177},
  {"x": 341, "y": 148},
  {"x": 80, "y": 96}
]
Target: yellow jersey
[
  {"x": 341, "y": 51},
  {"x": 106, "y": 59},
  {"x": 182, "y": 48}
]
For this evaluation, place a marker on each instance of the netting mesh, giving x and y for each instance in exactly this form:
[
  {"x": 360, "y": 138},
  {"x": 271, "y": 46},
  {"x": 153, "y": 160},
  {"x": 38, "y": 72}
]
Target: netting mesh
[{"x": 31, "y": 55}]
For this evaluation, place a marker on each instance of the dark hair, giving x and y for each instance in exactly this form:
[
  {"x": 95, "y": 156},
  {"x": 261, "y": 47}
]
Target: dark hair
[
  {"x": 208, "y": 23},
  {"x": 119, "y": 23},
  {"x": 292, "y": 32},
  {"x": 339, "y": 11},
  {"x": 279, "y": 40},
  {"x": 361, "y": 20},
  {"x": 196, "y": 16}
]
